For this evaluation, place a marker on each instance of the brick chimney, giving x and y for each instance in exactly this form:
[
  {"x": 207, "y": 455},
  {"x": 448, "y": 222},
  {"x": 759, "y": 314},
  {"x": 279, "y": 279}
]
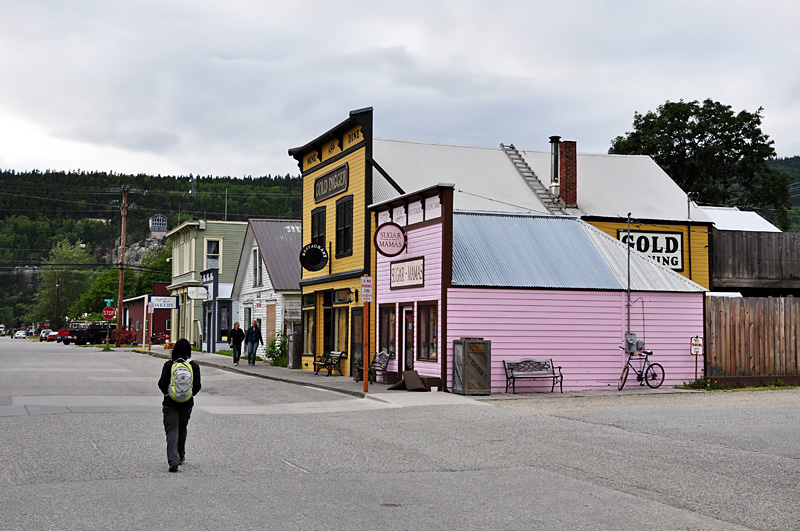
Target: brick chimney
[{"x": 568, "y": 170}]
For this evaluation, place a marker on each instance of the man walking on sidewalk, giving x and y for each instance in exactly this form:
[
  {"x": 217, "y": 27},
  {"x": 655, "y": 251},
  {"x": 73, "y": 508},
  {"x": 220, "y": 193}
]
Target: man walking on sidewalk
[{"x": 235, "y": 342}]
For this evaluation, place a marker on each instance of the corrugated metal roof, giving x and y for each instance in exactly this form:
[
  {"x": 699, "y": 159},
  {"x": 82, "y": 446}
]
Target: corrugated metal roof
[
  {"x": 485, "y": 178},
  {"x": 731, "y": 218},
  {"x": 613, "y": 185},
  {"x": 502, "y": 250},
  {"x": 280, "y": 242},
  {"x": 525, "y": 251},
  {"x": 646, "y": 273}
]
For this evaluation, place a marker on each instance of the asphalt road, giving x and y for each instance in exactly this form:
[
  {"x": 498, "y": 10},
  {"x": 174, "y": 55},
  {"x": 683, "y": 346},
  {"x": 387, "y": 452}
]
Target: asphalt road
[{"x": 83, "y": 448}]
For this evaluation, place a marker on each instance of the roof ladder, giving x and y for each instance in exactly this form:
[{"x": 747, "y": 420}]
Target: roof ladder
[{"x": 552, "y": 204}]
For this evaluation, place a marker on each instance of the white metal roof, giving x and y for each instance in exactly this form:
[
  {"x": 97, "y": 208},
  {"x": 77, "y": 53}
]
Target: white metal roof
[
  {"x": 485, "y": 178},
  {"x": 613, "y": 185},
  {"x": 731, "y": 218}
]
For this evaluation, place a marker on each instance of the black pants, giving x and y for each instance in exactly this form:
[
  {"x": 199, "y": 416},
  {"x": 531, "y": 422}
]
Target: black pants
[
  {"x": 176, "y": 419},
  {"x": 237, "y": 351}
]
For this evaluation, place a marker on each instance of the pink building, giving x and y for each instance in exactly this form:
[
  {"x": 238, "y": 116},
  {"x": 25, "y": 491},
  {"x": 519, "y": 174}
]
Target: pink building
[{"x": 535, "y": 286}]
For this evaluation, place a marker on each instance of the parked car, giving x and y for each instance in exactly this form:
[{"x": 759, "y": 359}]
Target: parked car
[
  {"x": 19, "y": 334},
  {"x": 44, "y": 333},
  {"x": 52, "y": 336}
]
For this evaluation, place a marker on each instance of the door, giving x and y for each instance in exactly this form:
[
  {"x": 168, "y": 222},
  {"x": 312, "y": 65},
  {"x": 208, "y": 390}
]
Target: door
[
  {"x": 356, "y": 339},
  {"x": 408, "y": 338}
]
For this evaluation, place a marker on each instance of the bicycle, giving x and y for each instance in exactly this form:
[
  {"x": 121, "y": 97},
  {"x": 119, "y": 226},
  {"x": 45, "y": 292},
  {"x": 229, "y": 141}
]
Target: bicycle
[{"x": 651, "y": 373}]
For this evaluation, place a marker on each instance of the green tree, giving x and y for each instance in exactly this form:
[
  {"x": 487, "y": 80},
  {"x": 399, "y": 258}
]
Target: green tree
[
  {"x": 63, "y": 280},
  {"x": 104, "y": 286},
  {"x": 718, "y": 155},
  {"x": 159, "y": 269}
]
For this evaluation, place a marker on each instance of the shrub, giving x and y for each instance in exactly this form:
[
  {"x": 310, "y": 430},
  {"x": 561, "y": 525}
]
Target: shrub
[{"x": 278, "y": 351}]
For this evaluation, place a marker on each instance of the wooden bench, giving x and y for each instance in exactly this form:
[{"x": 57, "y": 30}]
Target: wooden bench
[
  {"x": 379, "y": 364},
  {"x": 532, "y": 369},
  {"x": 331, "y": 361}
]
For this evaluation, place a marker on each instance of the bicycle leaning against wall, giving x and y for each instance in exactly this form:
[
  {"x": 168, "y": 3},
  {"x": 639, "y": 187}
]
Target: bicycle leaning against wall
[{"x": 650, "y": 373}]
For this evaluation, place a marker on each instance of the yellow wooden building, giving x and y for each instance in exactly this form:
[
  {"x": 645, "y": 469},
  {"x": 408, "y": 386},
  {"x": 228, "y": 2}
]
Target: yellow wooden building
[{"x": 337, "y": 239}]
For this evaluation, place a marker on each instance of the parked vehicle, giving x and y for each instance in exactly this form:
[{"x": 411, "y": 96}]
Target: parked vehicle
[
  {"x": 61, "y": 335},
  {"x": 90, "y": 333},
  {"x": 44, "y": 333},
  {"x": 160, "y": 338},
  {"x": 19, "y": 334},
  {"x": 52, "y": 336}
]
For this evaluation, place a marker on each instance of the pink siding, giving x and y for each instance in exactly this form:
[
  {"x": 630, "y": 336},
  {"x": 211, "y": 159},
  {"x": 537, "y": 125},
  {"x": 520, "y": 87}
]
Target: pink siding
[
  {"x": 580, "y": 330},
  {"x": 427, "y": 242}
]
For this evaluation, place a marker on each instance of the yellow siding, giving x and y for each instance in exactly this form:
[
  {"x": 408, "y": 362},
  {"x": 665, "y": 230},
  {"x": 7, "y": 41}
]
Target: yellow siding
[
  {"x": 356, "y": 188},
  {"x": 695, "y": 255}
]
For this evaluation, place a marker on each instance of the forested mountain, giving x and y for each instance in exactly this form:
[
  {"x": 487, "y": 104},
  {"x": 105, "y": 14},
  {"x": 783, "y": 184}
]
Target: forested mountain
[{"x": 40, "y": 211}]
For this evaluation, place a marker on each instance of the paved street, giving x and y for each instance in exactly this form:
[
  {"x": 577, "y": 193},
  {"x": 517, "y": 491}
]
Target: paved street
[{"x": 83, "y": 448}]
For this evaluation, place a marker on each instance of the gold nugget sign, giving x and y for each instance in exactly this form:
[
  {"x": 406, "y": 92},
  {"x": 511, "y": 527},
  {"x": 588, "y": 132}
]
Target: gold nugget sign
[{"x": 331, "y": 184}]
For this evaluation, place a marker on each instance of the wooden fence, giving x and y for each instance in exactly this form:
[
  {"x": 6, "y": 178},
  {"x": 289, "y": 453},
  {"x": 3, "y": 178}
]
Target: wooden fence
[{"x": 751, "y": 336}]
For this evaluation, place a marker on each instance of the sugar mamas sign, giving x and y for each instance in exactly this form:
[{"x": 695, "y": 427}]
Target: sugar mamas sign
[
  {"x": 407, "y": 274},
  {"x": 390, "y": 239}
]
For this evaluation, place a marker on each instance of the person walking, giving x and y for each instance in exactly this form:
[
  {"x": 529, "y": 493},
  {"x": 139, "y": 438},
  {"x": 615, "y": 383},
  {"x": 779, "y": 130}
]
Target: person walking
[
  {"x": 177, "y": 414},
  {"x": 235, "y": 341},
  {"x": 251, "y": 341}
]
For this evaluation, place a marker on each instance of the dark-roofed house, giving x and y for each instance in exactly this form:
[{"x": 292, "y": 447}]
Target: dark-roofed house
[{"x": 267, "y": 283}]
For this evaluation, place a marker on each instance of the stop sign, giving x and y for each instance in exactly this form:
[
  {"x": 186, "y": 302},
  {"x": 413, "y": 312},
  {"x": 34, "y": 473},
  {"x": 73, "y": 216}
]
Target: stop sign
[{"x": 109, "y": 312}]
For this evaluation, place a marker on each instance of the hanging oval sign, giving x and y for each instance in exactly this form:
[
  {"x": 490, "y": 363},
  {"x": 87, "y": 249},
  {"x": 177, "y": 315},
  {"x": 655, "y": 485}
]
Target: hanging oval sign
[
  {"x": 313, "y": 257},
  {"x": 390, "y": 239}
]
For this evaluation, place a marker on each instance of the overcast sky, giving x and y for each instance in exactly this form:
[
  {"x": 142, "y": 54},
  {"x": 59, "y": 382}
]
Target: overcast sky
[{"x": 226, "y": 87}]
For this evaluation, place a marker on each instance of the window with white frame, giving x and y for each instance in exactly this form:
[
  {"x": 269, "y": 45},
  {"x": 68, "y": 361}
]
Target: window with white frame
[
  {"x": 212, "y": 254},
  {"x": 257, "y": 268}
]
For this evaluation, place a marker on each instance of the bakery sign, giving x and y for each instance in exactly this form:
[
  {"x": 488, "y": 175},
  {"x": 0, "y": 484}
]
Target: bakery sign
[
  {"x": 407, "y": 274},
  {"x": 390, "y": 239},
  {"x": 666, "y": 248}
]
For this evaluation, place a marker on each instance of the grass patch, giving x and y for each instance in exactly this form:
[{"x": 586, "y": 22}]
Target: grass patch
[{"x": 711, "y": 384}]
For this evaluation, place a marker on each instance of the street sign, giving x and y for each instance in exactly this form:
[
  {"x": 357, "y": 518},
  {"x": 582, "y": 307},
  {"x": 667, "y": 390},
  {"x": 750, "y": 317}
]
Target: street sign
[
  {"x": 697, "y": 346},
  {"x": 47, "y": 324},
  {"x": 150, "y": 307},
  {"x": 366, "y": 289},
  {"x": 109, "y": 313}
]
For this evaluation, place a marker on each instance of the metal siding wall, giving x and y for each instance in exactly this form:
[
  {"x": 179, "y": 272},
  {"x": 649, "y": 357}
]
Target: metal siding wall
[{"x": 580, "y": 330}]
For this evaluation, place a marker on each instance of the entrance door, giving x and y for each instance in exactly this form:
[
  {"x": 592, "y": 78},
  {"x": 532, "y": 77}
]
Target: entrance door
[
  {"x": 408, "y": 338},
  {"x": 356, "y": 339}
]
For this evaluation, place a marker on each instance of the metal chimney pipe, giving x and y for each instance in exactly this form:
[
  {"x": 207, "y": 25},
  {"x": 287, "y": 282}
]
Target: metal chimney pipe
[{"x": 555, "y": 188}]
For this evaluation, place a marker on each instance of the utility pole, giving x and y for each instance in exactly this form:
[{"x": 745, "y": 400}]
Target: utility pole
[{"x": 122, "y": 263}]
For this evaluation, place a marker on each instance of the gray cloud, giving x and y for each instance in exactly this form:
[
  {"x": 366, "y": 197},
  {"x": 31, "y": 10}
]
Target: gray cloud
[{"x": 227, "y": 87}]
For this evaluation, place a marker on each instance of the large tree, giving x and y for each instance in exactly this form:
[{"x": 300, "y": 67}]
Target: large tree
[
  {"x": 712, "y": 152},
  {"x": 64, "y": 278}
]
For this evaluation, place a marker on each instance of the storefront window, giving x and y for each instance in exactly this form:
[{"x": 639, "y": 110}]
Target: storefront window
[
  {"x": 340, "y": 316},
  {"x": 309, "y": 345},
  {"x": 388, "y": 330},
  {"x": 428, "y": 340}
]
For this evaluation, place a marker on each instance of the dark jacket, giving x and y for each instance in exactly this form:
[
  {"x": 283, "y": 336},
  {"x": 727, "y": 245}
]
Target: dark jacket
[
  {"x": 253, "y": 335},
  {"x": 166, "y": 376},
  {"x": 236, "y": 336}
]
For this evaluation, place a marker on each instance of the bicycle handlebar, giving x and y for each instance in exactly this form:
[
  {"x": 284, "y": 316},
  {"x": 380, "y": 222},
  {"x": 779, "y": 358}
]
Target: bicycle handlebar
[{"x": 647, "y": 352}]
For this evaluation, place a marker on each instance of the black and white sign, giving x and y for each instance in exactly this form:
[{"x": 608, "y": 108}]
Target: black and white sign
[{"x": 666, "y": 248}]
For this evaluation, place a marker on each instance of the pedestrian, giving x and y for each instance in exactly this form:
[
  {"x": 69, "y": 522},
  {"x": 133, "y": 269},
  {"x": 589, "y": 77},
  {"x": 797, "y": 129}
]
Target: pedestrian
[
  {"x": 235, "y": 341},
  {"x": 177, "y": 414},
  {"x": 251, "y": 341}
]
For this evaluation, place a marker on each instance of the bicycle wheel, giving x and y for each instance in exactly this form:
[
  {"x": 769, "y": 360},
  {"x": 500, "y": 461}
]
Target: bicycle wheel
[
  {"x": 623, "y": 377},
  {"x": 654, "y": 375}
]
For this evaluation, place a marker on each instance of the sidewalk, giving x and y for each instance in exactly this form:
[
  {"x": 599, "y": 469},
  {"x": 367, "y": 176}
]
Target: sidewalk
[{"x": 379, "y": 391}]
